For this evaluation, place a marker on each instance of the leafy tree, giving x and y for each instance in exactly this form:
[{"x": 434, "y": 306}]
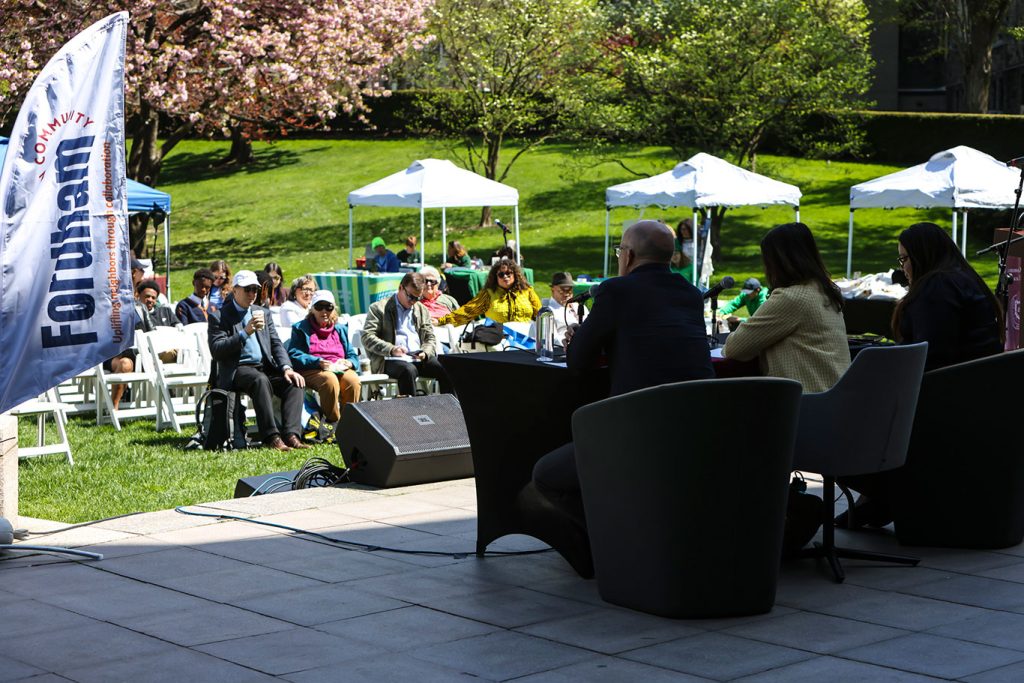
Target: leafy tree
[
  {"x": 254, "y": 67},
  {"x": 970, "y": 28},
  {"x": 501, "y": 69},
  {"x": 720, "y": 75}
]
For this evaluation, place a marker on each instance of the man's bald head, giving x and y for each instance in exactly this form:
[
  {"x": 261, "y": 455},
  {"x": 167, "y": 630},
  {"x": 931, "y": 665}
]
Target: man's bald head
[{"x": 646, "y": 242}]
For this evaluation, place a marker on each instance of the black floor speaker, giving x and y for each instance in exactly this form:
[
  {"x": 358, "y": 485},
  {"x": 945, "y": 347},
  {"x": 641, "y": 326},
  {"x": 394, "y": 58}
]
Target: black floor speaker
[{"x": 405, "y": 441}]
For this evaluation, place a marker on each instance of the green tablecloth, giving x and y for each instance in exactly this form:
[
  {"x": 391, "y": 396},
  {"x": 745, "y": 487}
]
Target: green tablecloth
[
  {"x": 580, "y": 286},
  {"x": 463, "y": 280},
  {"x": 355, "y": 290}
]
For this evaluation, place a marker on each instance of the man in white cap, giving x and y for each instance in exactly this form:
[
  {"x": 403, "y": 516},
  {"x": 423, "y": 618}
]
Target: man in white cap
[{"x": 251, "y": 359}]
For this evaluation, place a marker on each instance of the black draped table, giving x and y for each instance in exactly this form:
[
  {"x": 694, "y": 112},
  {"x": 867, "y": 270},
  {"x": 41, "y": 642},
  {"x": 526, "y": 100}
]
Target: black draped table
[{"x": 516, "y": 410}]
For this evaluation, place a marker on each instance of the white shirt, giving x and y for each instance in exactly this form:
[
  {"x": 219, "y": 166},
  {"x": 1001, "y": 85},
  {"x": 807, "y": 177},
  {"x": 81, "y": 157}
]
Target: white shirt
[
  {"x": 406, "y": 334},
  {"x": 291, "y": 313},
  {"x": 562, "y": 313}
]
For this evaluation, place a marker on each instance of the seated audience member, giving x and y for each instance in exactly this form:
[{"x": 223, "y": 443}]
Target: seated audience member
[
  {"x": 751, "y": 297},
  {"x": 195, "y": 308},
  {"x": 684, "y": 238},
  {"x": 321, "y": 352},
  {"x": 649, "y": 324},
  {"x": 300, "y": 298},
  {"x": 799, "y": 332},
  {"x": 278, "y": 292},
  {"x": 681, "y": 264},
  {"x": 150, "y": 314},
  {"x": 408, "y": 253},
  {"x": 950, "y": 307},
  {"x": 251, "y": 359},
  {"x": 506, "y": 252},
  {"x": 266, "y": 288},
  {"x": 458, "y": 257},
  {"x": 221, "y": 284},
  {"x": 384, "y": 260},
  {"x": 399, "y": 338},
  {"x": 564, "y": 314},
  {"x": 143, "y": 270},
  {"x": 437, "y": 302},
  {"x": 506, "y": 297}
]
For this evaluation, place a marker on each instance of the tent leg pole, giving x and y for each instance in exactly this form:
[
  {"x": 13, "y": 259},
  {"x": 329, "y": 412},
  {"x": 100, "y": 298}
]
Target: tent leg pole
[
  {"x": 423, "y": 233},
  {"x": 607, "y": 237},
  {"x": 519, "y": 255},
  {"x": 167, "y": 255},
  {"x": 350, "y": 237},
  {"x": 956, "y": 233},
  {"x": 963, "y": 235},
  {"x": 849, "y": 249},
  {"x": 798, "y": 214},
  {"x": 444, "y": 238},
  {"x": 694, "y": 229}
]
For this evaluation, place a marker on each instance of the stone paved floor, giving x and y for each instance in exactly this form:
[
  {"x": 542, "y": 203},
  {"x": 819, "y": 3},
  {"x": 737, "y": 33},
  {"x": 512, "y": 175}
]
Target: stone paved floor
[{"x": 181, "y": 598}]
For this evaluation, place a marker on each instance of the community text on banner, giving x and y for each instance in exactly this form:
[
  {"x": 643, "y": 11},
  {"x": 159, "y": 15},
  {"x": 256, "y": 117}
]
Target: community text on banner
[{"x": 65, "y": 282}]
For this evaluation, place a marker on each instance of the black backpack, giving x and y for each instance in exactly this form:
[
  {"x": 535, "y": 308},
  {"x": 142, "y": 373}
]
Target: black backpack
[{"x": 220, "y": 421}]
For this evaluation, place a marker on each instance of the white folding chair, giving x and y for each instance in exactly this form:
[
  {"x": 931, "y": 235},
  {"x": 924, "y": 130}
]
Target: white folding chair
[
  {"x": 201, "y": 332},
  {"x": 78, "y": 393},
  {"x": 186, "y": 377},
  {"x": 48, "y": 403},
  {"x": 142, "y": 382},
  {"x": 374, "y": 385}
]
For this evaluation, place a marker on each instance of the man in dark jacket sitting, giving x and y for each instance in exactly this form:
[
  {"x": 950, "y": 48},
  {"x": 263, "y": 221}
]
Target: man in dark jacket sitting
[{"x": 251, "y": 359}]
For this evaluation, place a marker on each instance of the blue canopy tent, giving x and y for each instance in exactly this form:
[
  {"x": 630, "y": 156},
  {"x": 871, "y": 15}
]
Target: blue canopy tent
[{"x": 141, "y": 199}]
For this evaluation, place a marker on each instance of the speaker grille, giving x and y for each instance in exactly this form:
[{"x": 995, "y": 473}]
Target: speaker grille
[{"x": 420, "y": 425}]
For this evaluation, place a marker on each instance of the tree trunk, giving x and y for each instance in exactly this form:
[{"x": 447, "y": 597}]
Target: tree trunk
[
  {"x": 240, "y": 153},
  {"x": 717, "y": 214},
  {"x": 138, "y": 227},
  {"x": 982, "y": 22},
  {"x": 493, "y": 146}
]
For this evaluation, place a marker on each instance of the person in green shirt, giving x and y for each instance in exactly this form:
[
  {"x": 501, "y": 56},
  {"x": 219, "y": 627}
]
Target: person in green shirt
[
  {"x": 457, "y": 256},
  {"x": 752, "y": 296},
  {"x": 681, "y": 264}
]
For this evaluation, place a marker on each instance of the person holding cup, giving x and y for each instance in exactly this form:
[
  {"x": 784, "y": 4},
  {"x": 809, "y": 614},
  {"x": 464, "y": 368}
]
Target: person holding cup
[{"x": 251, "y": 359}]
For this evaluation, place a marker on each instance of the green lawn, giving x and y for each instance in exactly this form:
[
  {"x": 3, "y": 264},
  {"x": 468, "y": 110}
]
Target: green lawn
[{"x": 290, "y": 207}]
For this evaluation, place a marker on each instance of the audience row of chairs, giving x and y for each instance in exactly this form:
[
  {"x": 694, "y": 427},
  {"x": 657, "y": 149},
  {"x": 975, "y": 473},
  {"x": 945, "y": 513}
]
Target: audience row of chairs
[{"x": 167, "y": 392}]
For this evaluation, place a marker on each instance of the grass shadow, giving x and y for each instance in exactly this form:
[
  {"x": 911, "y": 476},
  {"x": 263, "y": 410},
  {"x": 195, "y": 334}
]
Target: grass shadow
[{"x": 187, "y": 167}]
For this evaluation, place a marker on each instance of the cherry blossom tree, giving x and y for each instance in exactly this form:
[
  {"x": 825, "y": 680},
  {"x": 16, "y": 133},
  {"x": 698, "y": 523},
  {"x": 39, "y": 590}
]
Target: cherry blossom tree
[{"x": 254, "y": 68}]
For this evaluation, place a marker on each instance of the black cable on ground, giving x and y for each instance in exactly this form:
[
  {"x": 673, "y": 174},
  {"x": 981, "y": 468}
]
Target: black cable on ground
[
  {"x": 77, "y": 526},
  {"x": 355, "y": 545}
]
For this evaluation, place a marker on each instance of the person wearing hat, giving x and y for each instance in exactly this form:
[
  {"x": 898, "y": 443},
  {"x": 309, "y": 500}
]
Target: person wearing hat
[
  {"x": 321, "y": 352},
  {"x": 251, "y": 359},
  {"x": 384, "y": 260},
  {"x": 753, "y": 296},
  {"x": 564, "y": 314}
]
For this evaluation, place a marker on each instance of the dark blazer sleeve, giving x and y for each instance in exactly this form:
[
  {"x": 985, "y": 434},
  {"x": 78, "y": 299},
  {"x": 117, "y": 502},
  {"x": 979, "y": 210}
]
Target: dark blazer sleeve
[
  {"x": 224, "y": 334},
  {"x": 594, "y": 334},
  {"x": 269, "y": 336}
]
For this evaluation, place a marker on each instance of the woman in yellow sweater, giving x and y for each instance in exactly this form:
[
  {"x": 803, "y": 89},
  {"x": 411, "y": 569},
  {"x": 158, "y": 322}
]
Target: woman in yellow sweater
[{"x": 506, "y": 297}]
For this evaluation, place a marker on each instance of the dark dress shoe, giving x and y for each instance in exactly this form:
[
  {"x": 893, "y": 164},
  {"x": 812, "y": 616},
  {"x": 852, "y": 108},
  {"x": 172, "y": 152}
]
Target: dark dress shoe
[
  {"x": 294, "y": 441},
  {"x": 277, "y": 443},
  {"x": 866, "y": 512}
]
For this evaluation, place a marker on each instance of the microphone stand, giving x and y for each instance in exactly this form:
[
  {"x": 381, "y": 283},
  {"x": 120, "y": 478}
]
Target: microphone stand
[
  {"x": 1003, "y": 250},
  {"x": 714, "y": 322}
]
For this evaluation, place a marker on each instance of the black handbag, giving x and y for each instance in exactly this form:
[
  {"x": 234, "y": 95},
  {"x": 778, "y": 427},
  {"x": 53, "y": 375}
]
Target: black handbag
[{"x": 487, "y": 335}]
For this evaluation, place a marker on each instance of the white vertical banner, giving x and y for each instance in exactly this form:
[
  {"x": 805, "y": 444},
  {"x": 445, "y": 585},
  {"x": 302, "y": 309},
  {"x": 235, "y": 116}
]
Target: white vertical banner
[{"x": 65, "y": 279}]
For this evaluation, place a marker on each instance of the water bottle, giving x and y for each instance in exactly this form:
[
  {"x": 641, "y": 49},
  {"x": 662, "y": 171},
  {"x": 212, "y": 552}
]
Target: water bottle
[{"x": 545, "y": 335}]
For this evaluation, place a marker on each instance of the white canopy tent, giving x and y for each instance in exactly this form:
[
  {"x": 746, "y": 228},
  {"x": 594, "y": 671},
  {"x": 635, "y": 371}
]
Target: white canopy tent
[
  {"x": 701, "y": 182},
  {"x": 960, "y": 178},
  {"x": 433, "y": 184}
]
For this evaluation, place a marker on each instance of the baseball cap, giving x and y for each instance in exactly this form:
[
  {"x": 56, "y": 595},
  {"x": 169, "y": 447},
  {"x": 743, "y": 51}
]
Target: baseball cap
[
  {"x": 323, "y": 295},
  {"x": 245, "y": 278},
  {"x": 750, "y": 285},
  {"x": 377, "y": 242}
]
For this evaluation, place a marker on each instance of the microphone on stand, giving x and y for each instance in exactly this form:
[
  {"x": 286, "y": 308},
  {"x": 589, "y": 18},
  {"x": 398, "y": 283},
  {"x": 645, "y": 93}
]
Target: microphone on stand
[
  {"x": 583, "y": 297},
  {"x": 504, "y": 228},
  {"x": 1016, "y": 163},
  {"x": 723, "y": 285}
]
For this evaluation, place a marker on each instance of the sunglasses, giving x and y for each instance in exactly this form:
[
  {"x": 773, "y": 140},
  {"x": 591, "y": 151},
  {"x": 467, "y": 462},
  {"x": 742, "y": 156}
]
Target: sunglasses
[
  {"x": 253, "y": 290},
  {"x": 323, "y": 306},
  {"x": 412, "y": 297},
  {"x": 432, "y": 283},
  {"x": 506, "y": 273}
]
